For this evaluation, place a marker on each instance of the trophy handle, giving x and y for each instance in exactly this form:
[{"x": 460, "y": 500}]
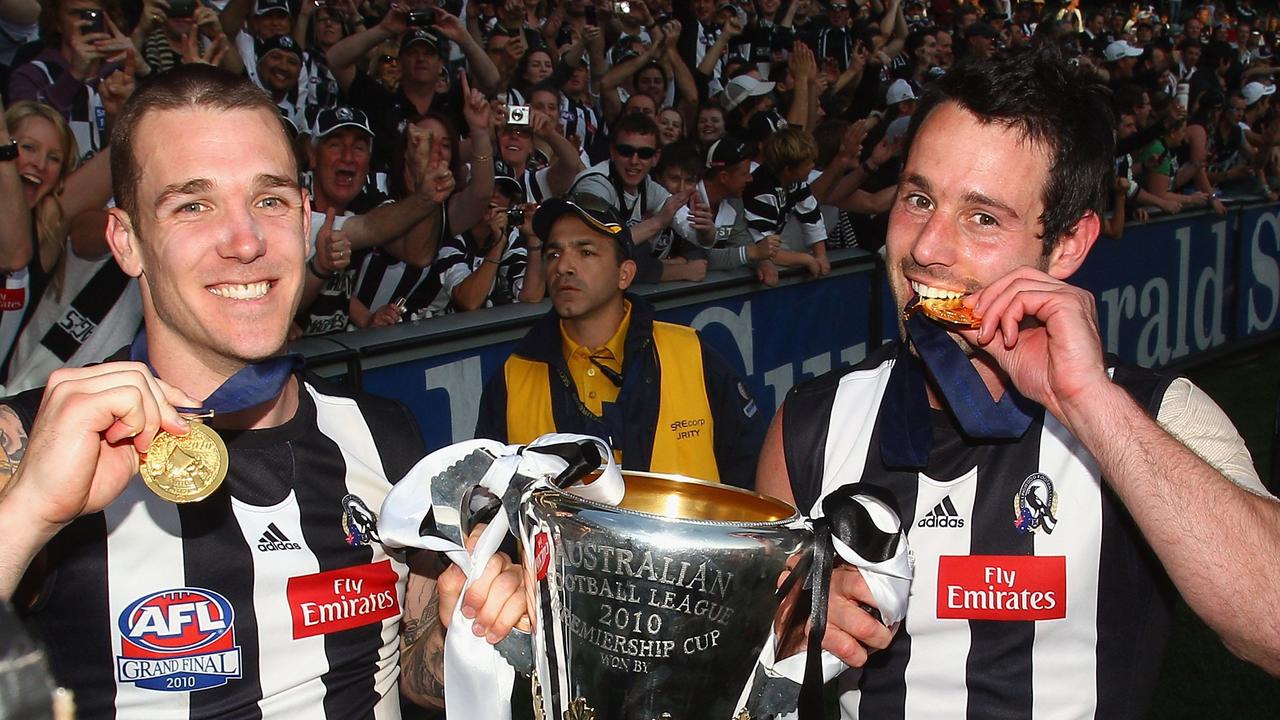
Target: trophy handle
[{"x": 517, "y": 649}]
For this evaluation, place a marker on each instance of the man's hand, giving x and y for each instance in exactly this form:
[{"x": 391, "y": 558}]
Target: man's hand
[
  {"x": 450, "y": 26},
  {"x": 396, "y": 21},
  {"x": 333, "y": 250},
  {"x": 701, "y": 220},
  {"x": 495, "y": 602},
  {"x": 116, "y": 88},
  {"x": 212, "y": 55},
  {"x": 852, "y": 632},
  {"x": 766, "y": 249},
  {"x": 84, "y": 447},
  {"x": 386, "y": 316},
  {"x": 767, "y": 273},
  {"x": 1044, "y": 335},
  {"x": 673, "y": 204},
  {"x": 206, "y": 18},
  {"x": 802, "y": 64},
  {"x": 515, "y": 48},
  {"x": 476, "y": 107},
  {"x": 154, "y": 14}
]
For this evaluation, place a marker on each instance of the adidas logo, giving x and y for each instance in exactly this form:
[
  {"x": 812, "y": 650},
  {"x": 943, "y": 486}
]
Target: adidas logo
[
  {"x": 273, "y": 539},
  {"x": 944, "y": 514}
]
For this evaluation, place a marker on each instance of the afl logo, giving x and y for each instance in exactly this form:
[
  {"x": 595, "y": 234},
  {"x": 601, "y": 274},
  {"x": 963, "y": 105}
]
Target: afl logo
[{"x": 178, "y": 640}]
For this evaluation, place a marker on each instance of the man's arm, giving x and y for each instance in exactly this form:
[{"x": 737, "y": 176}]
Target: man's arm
[
  {"x": 644, "y": 230},
  {"x": 233, "y": 16},
  {"x": 81, "y": 453},
  {"x": 422, "y": 634},
  {"x": 852, "y": 633},
  {"x": 1226, "y": 571},
  {"x": 347, "y": 52},
  {"x": 479, "y": 65}
]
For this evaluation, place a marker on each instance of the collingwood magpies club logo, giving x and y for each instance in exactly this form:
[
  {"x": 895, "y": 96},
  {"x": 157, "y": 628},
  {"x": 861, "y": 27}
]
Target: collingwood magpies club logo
[
  {"x": 1035, "y": 506},
  {"x": 358, "y": 522}
]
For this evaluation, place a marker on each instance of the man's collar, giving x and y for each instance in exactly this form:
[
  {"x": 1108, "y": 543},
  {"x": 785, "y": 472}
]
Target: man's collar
[{"x": 615, "y": 347}]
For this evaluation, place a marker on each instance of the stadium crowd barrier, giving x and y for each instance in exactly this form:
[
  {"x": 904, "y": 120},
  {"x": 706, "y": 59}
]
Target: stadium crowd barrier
[{"x": 1174, "y": 291}]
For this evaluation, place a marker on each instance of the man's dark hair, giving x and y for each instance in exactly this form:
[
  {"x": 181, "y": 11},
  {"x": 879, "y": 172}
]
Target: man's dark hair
[
  {"x": 1042, "y": 97},
  {"x": 636, "y": 124},
  {"x": 1128, "y": 97},
  {"x": 183, "y": 87},
  {"x": 684, "y": 154}
]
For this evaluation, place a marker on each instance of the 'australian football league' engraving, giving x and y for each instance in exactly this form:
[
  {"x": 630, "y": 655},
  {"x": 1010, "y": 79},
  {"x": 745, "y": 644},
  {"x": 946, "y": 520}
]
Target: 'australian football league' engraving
[{"x": 655, "y": 612}]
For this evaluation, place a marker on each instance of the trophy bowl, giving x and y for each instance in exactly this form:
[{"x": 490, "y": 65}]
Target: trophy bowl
[{"x": 657, "y": 607}]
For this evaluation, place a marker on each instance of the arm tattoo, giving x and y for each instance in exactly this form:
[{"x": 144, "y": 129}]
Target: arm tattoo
[
  {"x": 422, "y": 662},
  {"x": 13, "y": 443}
]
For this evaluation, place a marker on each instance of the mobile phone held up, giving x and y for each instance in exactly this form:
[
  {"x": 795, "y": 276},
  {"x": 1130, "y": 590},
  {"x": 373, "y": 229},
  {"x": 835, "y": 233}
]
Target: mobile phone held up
[
  {"x": 95, "y": 18},
  {"x": 182, "y": 8},
  {"x": 424, "y": 17}
]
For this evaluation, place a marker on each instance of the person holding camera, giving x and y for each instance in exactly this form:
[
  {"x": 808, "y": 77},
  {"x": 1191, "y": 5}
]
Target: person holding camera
[
  {"x": 423, "y": 53},
  {"x": 488, "y": 264},
  {"x": 172, "y": 32},
  {"x": 516, "y": 150},
  {"x": 83, "y": 45}
]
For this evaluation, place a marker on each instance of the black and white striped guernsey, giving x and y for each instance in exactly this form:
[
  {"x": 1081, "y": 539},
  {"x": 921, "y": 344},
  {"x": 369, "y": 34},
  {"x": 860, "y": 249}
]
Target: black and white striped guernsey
[
  {"x": 1034, "y": 596},
  {"x": 271, "y": 598}
]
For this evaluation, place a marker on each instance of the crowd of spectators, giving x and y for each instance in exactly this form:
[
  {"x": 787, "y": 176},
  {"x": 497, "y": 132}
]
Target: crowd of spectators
[{"x": 744, "y": 133}]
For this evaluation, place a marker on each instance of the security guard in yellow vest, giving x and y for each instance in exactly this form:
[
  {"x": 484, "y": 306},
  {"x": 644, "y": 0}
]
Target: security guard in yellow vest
[{"x": 599, "y": 364}]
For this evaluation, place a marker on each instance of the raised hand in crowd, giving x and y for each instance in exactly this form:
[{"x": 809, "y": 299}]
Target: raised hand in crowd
[
  {"x": 333, "y": 249},
  {"x": 154, "y": 15},
  {"x": 118, "y": 48},
  {"x": 213, "y": 54},
  {"x": 116, "y": 88}
]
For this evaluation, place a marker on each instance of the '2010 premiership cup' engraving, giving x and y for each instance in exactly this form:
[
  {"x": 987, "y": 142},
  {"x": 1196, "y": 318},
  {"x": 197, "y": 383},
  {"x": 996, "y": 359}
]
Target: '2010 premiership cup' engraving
[{"x": 647, "y": 616}]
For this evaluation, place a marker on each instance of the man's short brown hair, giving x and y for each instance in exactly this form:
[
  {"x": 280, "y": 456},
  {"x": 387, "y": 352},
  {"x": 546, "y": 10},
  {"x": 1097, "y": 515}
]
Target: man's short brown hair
[{"x": 185, "y": 86}]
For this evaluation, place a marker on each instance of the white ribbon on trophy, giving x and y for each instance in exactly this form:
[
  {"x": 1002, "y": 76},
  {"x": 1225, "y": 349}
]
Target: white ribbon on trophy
[{"x": 477, "y": 679}]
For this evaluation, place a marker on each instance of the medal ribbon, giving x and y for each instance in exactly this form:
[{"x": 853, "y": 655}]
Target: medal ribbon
[
  {"x": 251, "y": 385},
  {"x": 908, "y": 434},
  {"x": 848, "y": 520}
]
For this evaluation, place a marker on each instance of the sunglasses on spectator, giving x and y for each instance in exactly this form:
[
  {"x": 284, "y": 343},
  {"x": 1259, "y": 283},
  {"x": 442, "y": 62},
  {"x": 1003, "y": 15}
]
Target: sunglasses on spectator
[
  {"x": 645, "y": 153},
  {"x": 838, "y": 8}
]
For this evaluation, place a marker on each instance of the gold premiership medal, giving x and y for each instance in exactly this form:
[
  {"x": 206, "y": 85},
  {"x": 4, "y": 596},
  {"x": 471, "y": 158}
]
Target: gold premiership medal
[
  {"x": 185, "y": 468},
  {"x": 950, "y": 311}
]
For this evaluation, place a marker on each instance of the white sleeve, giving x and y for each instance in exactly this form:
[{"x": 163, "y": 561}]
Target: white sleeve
[{"x": 1191, "y": 416}]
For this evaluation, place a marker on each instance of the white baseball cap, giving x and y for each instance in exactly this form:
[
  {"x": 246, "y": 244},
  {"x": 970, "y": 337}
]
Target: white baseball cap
[
  {"x": 899, "y": 91},
  {"x": 743, "y": 87},
  {"x": 1255, "y": 91},
  {"x": 1120, "y": 49}
]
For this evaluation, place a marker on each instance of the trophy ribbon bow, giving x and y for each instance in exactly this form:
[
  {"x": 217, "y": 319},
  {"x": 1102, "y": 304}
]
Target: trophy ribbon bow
[
  {"x": 478, "y": 680},
  {"x": 856, "y": 522}
]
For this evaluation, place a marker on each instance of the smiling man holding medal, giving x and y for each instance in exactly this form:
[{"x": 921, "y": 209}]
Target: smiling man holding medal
[{"x": 161, "y": 589}]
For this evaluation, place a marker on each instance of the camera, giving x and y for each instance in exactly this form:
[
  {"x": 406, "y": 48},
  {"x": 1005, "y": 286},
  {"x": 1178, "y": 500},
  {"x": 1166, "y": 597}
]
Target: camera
[
  {"x": 422, "y": 18},
  {"x": 182, "y": 8},
  {"x": 518, "y": 115},
  {"x": 590, "y": 14},
  {"x": 622, "y": 8},
  {"x": 97, "y": 22},
  {"x": 515, "y": 217}
]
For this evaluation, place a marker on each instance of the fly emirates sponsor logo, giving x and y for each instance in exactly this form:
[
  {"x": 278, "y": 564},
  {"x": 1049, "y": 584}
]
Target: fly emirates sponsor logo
[
  {"x": 337, "y": 600},
  {"x": 1002, "y": 587}
]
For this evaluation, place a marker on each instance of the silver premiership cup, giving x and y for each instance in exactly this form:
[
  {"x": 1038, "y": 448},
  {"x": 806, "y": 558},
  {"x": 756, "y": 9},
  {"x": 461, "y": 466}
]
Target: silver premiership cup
[{"x": 657, "y": 608}]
